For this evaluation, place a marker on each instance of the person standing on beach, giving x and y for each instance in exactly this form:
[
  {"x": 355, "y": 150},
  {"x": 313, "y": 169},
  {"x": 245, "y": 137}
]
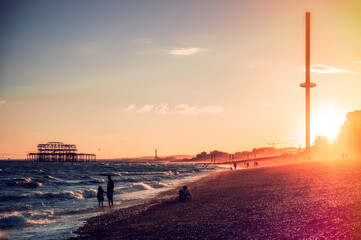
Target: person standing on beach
[
  {"x": 235, "y": 166},
  {"x": 100, "y": 195},
  {"x": 110, "y": 189}
]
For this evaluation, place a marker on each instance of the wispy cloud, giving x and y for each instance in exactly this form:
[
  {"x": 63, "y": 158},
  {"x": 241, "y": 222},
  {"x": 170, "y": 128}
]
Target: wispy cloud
[
  {"x": 184, "y": 51},
  {"x": 320, "y": 68},
  {"x": 162, "y": 108},
  {"x": 195, "y": 110},
  {"x": 131, "y": 107},
  {"x": 358, "y": 62},
  {"x": 183, "y": 109},
  {"x": 147, "y": 108},
  {"x": 2, "y": 102}
]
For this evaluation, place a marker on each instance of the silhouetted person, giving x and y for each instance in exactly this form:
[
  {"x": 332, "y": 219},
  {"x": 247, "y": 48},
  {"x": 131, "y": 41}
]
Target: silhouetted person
[
  {"x": 182, "y": 195},
  {"x": 187, "y": 193},
  {"x": 110, "y": 189},
  {"x": 235, "y": 166},
  {"x": 247, "y": 165},
  {"x": 100, "y": 195}
]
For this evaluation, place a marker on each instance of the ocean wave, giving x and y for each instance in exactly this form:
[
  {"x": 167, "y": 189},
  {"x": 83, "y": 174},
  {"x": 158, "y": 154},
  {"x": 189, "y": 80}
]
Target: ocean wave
[
  {"x": 12, "y": 221},
  {"x": 50, "y": 177},
  {"x": 15, "y": 208},
  {"x": 142, "y": 186},
  {"x": 69, "y": 190},
  {"x": 18, "y": 220},
  {"x": 39, "y": 221},
  {"x": 8, "y": 198},
  {"x": 75, "y": 211},
  {"x": 93, "y": 181},
  {"x": 160, "y": 185},
  {"x": 28, "y": 182},
  {"x": 64, "y": 195},
  {"x": 171, "y": 173},
  {"x": 24, "y": 182}
]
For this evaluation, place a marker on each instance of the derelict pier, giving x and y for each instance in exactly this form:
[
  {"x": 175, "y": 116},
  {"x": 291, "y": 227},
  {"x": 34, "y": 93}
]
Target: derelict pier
[{"x": 59, "y": 152}]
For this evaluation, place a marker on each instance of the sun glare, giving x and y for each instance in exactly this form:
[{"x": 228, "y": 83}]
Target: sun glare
[{"x": 327, "y": 121}]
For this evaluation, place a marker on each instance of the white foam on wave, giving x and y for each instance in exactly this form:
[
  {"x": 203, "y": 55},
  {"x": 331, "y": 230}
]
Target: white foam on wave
[
  {"x": 171, "y": 173},
  {"x": 40, "y": 213},
  {"x": 28, "y": 182},
  {"x": 68, "y": 194},
  {"x": 17, "y": 219},
  {"x": 40, "y": 221},
  {"x": 142, "y": 186}
]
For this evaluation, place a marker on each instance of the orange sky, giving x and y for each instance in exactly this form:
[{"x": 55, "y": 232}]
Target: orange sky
[{"x": 182, "y": 77}]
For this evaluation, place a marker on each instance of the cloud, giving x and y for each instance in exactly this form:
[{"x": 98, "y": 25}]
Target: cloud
[
  {"x": 147, "y": 108},
  {"x": 187, "y": 110},
  {"x": 358, "y": 62},
  {"x": 320, "y": 68},
  {"x": 183, "y": 109},
  {"x": 2, "y": 102},
  {"x": 184, "y": 51},
  {"x": 162, "y": 108},
  {"x": 131, "y": 107}
]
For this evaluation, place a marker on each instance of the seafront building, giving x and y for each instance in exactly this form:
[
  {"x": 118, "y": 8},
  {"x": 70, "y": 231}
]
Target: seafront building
[{"x": 59, "y": 152}]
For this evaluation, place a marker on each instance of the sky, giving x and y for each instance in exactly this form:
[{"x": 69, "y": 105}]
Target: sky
[{"x": 121, "y": 78}]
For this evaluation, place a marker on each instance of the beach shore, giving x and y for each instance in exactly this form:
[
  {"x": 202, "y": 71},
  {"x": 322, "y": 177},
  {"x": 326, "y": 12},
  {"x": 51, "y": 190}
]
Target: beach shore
[{"x": 300, "y": 201}]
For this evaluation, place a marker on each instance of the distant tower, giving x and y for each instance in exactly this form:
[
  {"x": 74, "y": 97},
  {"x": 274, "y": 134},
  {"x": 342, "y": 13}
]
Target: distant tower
[
  {"x": 155, "y": 155},
  {"x": 308, "y": 84}
]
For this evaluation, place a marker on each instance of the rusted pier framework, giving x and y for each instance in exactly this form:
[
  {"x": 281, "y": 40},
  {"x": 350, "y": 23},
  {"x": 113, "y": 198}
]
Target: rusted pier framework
[{"x": 59, "y": 152}]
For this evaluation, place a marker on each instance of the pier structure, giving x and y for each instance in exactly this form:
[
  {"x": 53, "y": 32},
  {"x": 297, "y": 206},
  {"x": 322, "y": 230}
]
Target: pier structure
[
  {"x": 308, "y": 85},
  {"x": 59, "y": 152}
]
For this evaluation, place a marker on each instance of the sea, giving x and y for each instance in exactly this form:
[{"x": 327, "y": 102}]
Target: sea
[{"x": 50, "y": 200}]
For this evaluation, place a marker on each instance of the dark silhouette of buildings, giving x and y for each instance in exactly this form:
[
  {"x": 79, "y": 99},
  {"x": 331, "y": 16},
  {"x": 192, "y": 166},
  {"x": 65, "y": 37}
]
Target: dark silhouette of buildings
[
  {"x": 59, "y": 152},
  {"x": 218, "y": 156}
]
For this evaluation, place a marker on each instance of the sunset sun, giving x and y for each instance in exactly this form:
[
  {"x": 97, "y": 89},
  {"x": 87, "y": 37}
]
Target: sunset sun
[{"x": 327, "y": 121}]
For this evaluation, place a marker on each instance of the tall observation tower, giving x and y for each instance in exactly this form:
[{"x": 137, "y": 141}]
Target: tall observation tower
[{"x": 308, "y": 84}]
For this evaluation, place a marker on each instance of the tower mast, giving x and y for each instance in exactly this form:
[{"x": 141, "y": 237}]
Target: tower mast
[{"x": 308, "y": 85}]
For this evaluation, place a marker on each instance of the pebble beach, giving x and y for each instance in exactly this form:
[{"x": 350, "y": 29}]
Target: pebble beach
[{"x": 318, "y": 200}]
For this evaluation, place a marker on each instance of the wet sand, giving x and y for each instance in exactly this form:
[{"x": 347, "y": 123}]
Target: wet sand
[{"x": 301, "y": 201}]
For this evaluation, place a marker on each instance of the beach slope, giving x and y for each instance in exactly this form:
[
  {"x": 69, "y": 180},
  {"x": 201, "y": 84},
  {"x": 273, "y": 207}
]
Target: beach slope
[{"x": 310, "y": 200}]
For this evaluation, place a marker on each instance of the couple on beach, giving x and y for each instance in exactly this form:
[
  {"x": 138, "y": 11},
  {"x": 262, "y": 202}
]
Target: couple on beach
[
  {"x": 184, "y": 194},
  {"x": 109, "y": 192}
]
